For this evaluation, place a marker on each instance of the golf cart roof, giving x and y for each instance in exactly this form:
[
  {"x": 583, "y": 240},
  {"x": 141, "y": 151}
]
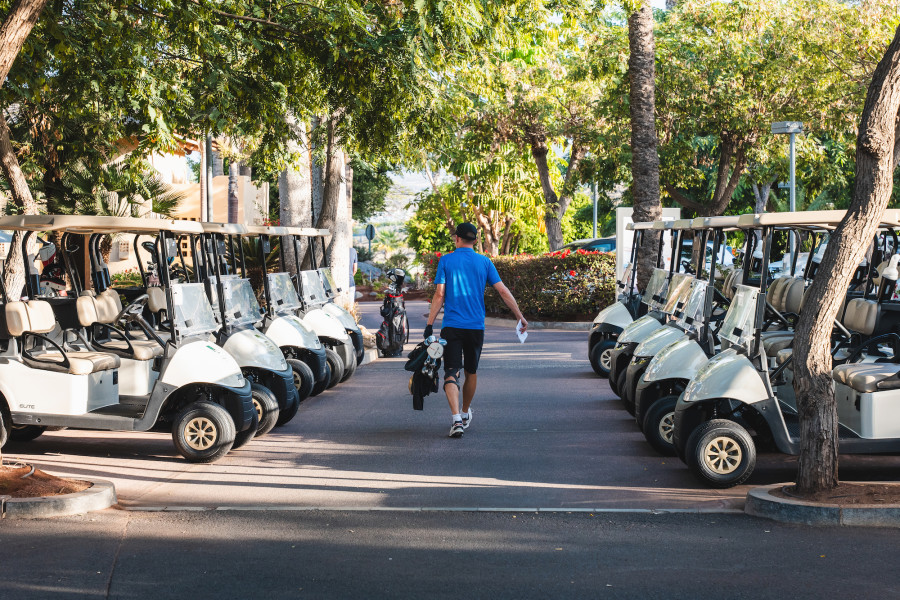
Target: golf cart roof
[
  {"x": 730, "y": 222},
  {"x": 683, "y": 224},
  {"x": 308, "y": 231},
  {"x": 812, "y": 218},
  {"x": 640, "y": 226},
  {"x": 86, "y": 224},
  {"x": 224, "y": 228},
  {"x": 266, "y": 230},
  {"x": 663, "y": 225}
]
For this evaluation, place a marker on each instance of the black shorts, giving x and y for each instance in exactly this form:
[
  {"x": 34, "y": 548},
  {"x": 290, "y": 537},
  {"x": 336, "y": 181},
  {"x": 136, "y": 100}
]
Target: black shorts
[{"x": 463, "y": 349}]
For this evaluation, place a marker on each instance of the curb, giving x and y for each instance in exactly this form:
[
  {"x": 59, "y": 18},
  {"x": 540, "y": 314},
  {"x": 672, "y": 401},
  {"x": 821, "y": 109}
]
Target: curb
[
  {"x": 101, "y": 495},
  {"x": 565, "y": 325},
  {"x": 370, "y": 355},
  {"x": 760, "y": 503}
]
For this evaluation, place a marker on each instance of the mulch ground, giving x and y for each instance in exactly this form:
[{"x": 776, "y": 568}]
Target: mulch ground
[
  {"x": 37, "y": 484},
  {"x": 848, "y": 494}
]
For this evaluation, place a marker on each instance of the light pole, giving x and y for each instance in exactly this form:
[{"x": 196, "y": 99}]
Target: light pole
[
  {"x": 594, "y": 189},
  {"x": 791, "y": 128}
]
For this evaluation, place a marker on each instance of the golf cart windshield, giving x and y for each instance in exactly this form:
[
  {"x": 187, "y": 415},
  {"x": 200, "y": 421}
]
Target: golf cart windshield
[
  {"x": 739, "y": 320},
  {"x": 241, "y": 307},
  {"x": 693, "y": 312},
  {"x": 331, "y": 288},
  {"x": 193, "y": 314},
  {"x": 625, "y": 282},
  {"x": 679, "y": 291},
  {"x": 311, "y": 288},
  {"x": 655, "y": 294},
  {"x": 281, "y": 290}
]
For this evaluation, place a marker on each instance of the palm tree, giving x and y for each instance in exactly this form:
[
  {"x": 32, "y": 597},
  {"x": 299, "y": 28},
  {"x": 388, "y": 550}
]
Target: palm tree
[{"x": 118, "y": 190}]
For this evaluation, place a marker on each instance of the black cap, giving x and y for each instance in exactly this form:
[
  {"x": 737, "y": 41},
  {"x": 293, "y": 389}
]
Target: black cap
[{"x": 466, "y": 231}]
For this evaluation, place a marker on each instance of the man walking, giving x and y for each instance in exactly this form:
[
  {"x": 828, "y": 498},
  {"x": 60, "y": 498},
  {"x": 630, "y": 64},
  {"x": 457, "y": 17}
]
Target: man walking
[{"x": 461, "y": 278}]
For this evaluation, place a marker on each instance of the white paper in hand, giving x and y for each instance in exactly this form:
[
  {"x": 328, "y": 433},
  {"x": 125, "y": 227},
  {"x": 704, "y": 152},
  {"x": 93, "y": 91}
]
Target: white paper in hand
[{"x": 522, "y": 334}]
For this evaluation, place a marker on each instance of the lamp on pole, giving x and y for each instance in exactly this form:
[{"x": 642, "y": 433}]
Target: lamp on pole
[{"x": 791, "y": 128}]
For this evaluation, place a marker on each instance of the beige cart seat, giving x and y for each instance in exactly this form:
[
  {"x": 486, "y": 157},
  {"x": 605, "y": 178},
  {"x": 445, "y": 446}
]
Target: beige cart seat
[
  {"x": 36, "y": 316},
  {"x": 104, "y": 308},
  {"x": 866, "y": 377}
]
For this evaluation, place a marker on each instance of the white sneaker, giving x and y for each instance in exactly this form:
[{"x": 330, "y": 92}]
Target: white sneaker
[
  {"x": 467, "y": 419},
  {"x": 456, "y": 430}
]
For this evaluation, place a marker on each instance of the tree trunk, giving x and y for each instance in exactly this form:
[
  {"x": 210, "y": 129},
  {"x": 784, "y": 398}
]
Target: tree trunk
[
  {"x": 317, "y": 171},
  {"x": 644, "y": 156},
  {"x": 233, "y": 171},
  {"x": 19, "y": 22},
  {"x": 294, "y": 190},
  {"x": 218, "y": 164},
  {"x": 554, "y": 206},
  {"x": 761, "y": 192},
  {"x": 818, "y": 468},
  {"x": 245, "y": 170},
  {"x": 732, "y": 162}
]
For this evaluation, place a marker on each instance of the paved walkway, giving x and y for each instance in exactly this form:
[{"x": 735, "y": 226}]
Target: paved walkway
[{"x": 547, "y": 433}]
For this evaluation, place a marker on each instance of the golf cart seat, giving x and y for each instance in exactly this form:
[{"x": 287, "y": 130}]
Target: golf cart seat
[
  {"x": 157, "y": 299},
  {"x": 103, "y": 309},
  {"x": 32, "y": 319},
  {"x": 790, "y": 301},
  {"x": 731, "y": 280},
  {"x": 868, "y": 377},
  {"x": 861, "y": 316}
]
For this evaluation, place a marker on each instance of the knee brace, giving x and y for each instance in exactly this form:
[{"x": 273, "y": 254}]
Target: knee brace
[{"x": 452, "y": 379}]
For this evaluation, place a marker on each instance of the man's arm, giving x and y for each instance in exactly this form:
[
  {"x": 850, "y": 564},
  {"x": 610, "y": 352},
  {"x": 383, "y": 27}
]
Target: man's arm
[
  {"x": 510, "y": 302},
  {"x": 436, "y": 303}
]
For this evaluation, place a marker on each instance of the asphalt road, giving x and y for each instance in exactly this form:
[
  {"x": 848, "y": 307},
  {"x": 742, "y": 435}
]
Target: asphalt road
[{"x": 118, "y": 554}]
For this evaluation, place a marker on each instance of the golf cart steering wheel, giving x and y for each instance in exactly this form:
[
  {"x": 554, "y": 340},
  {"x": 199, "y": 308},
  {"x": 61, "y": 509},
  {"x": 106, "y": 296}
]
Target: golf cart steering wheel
[{"x": 133, "y": 310}]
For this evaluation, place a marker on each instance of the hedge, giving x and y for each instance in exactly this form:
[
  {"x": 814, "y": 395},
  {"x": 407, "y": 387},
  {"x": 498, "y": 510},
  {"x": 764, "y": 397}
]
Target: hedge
[{"x": 558, "y": 286}]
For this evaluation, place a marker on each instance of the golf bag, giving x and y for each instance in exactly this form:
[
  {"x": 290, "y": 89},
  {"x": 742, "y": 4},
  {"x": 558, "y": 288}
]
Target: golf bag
[
  {"x": 394, "y": 331},
  {"x": 425, "y": 364}
]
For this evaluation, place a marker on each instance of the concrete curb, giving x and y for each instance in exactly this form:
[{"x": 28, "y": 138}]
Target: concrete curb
[
  {"x": 370, "y": 355},
  {"x": 102, "y": 494},
  {"x": 760, "y": 503}
]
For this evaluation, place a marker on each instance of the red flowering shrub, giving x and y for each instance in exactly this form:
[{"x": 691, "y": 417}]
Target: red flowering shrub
[{"x": 558, "y": 286}]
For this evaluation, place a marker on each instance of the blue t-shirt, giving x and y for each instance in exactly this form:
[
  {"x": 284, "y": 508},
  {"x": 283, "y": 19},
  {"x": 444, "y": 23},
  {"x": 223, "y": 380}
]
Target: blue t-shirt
[{"x": 465, "y": 275}]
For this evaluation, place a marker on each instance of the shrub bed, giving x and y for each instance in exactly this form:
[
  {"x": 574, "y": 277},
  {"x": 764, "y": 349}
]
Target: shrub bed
[{"x": 558, "y": 286}]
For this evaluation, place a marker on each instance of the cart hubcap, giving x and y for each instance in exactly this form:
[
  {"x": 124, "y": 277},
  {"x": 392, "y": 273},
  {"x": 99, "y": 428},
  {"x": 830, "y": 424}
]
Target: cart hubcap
[
  {"x": 667, "y": 426},
  {"x": 201, "y": 433},
  {"x": 259, "y": 408},
  {"x": 297, "y": 382},
  {"x": 605, "y": 357},
  {"x": 723, "y": 455}
]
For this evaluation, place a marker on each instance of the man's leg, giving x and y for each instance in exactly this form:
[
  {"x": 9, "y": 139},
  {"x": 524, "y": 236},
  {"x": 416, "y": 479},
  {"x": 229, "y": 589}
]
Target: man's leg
[
  {"x": 451, "y": 388},
  {"x": 453, "y": 362},
  {"x": 468, "y": 390}
]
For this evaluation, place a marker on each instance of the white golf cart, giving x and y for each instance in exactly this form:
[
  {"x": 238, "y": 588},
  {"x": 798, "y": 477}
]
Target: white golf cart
[
  {"x": 54, "y": 374},
  {"x": 731, "y": 402}
]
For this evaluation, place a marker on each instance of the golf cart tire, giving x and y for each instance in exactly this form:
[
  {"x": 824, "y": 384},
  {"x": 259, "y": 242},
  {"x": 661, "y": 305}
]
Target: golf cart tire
[
  {"x": 659, "y": 425},
  {"x": 242, "y": 438},
  {"x": 596, "y": 356},
  {"x": 203, "y": 432},
  {"x": 290, "y": 411},
  {"x": 5, "y": 425},
  {"x": 266, "y": 405},
  {"x": 620, "y": 386},
  {"x": 322, "y": 385},
  {"x": 304, "y": 380},
  {"x": 25, "y": 433},
  {"x": 349, "y": 368},
  {"x": 337, "y": 367},
  {"x": 728, "y": 439}
]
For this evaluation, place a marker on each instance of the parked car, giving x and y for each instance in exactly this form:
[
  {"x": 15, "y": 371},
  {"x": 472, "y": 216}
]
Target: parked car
[{"x": 607, "y": 244}]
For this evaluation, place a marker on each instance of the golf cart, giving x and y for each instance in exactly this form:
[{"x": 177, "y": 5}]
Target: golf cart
[
  {"x": 664, "y": 363},
  {"x": 610, "y": 321},
  {"x": 656, "y": 296},
  {"x": 65, "y": 363},
  {"x": 731, "y": 403},
  {"x": 298, "y": 342},
  {"x": 233, "y": 298}
]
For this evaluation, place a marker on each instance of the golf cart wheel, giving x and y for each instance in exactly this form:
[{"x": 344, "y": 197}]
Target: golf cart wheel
[
  {"x": 349, "y": 366},
  {"x": 721, "y": 453},
  {"x": 290, "y": 411},
  {"x": 304, "y": 380},
  {"x": 337, "y": 367},
  {"x": 25, "y": 433},
  {"x": 600, "y": 356},
  {"x": 242, "y": 438},
  {"x": 203, "y": 432},
  {"x": 266, "y": 405},
  {"x": 659, "y": 425},
  {"x": 320, "y": 386}
]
